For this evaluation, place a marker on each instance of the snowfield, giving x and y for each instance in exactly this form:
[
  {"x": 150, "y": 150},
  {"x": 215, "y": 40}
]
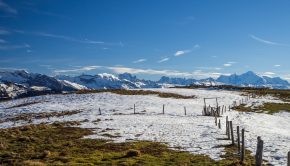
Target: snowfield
[{"x": 192, "y": 132}]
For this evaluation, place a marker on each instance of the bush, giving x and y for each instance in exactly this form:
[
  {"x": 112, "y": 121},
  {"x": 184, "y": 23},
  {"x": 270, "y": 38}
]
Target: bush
[{"x": 133, "y": 153}]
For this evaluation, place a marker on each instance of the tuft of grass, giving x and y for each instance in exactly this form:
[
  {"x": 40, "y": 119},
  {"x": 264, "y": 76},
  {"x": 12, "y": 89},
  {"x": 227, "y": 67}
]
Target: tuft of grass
[
  {"x": 62, "y": 144},
  {"x": 137, "y": 92}
]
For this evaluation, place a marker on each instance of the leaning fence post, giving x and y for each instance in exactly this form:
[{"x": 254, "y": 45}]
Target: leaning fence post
[
  {"x": 238, "y": 135},
  {"x": 243, "y": 146},
  {"x": 184, "y": 110},
  {"x": 259, "y": 152},
  {"x": 163, "y": 109},
  {"x": 232, "y": 133}
]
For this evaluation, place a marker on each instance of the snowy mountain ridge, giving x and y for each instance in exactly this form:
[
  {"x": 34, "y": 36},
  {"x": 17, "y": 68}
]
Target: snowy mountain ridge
[
  {"x": 19, "y": 82},
  {"x": 251, "y": 79}
]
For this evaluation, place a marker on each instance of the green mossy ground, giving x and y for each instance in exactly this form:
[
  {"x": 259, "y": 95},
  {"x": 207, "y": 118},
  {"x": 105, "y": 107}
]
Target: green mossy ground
[
  {"x": 283, "y": 95},
  {"x": 61, "y": 144},
  {"x": 269, "y": 108}
]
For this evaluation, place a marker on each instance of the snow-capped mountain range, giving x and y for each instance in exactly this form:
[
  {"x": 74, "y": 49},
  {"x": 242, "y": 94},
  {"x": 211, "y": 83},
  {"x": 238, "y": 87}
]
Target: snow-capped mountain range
[{"x": 19, "y": 83}]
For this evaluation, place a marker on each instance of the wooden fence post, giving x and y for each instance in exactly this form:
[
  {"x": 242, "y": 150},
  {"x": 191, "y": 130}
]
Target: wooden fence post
[
  {"x": 215, "y": 120},
  {"x": 239, "y": 141},
  {"x": 134, "y": 109},
  {"x": 100, "y": 112},
  {"x": 217, "y": 104},
  {"x": 219, "y": 124},
  {"x": 288, "y": 159},
  {"x": 227, "y": 125},
  {"x": 259, "y": 152},
  {"x": 163, "y": 109},
  {"x": 243, "y": 146},
  {"x": 232, "y": 132},
  {"x": 184, "y": 110},
  {"x": 229, "y": 130},
  {"x": 229, "y": 108}
]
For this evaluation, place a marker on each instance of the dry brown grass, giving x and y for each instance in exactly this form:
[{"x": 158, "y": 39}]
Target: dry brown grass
[
  {"x": 138, "y": 92},
  {"x": 41, "y": 115}
]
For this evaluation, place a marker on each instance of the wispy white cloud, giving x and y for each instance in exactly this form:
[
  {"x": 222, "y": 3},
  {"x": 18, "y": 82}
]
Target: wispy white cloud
[
  {"x": 7, "y": 8},
  {"x": 13, "y": 47},
  {"x": 186, "y": 20},
  {"x": 11, "y": 69},
  {"x": 227, "y": 65},
  {"x": 209, "y": 68},
  {"x": 285, "y": 76},
  {"x": 163, "y": 60},
  {"x": 41, "y": 12},
  {"x": 77, "y": 70},
  {"x": 163, "y": 72},
  {"x": 2, "y": 41},
  {"x": 267, "y": 41},
  {"x": 269, "y": 74},
  {"x": 4, "y": 32},
  {"x": 139, "y": 61},
  {"x": 182, "y": 52},
  {"x": 277, "y": 65},
  {"x": 121, "y": 44},
  {"x": 68, "y": 38},
  {"x": 148, "y": 71},
  {"x": 46, "y": 66},
  {"x": 195, "y": 74}
]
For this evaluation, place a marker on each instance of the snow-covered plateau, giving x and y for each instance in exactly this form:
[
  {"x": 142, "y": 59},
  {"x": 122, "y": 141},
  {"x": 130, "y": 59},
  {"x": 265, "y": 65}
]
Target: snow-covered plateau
[{"x": 191, "y": 132}]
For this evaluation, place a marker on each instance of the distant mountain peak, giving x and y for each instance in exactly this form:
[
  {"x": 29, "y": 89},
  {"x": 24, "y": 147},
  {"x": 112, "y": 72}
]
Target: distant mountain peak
[
  {"x": 254, "y": 80},
  {"x": 250, "y": 73}
]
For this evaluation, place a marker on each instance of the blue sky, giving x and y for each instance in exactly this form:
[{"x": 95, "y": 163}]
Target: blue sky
[{"x": 149, "y": 38}]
